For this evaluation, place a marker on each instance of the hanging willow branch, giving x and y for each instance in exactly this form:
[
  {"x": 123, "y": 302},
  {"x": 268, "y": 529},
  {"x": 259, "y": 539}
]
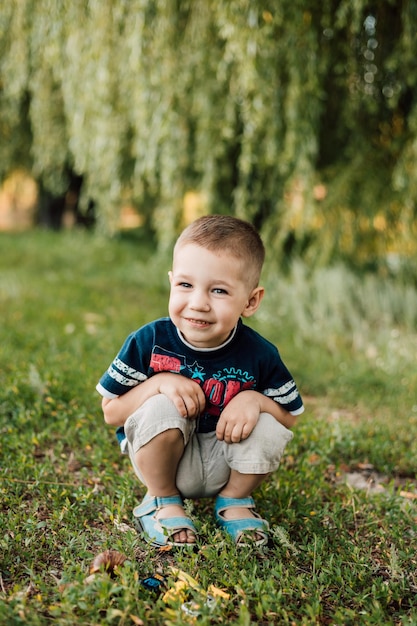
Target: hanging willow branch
[{"x": 299, "y": 118}]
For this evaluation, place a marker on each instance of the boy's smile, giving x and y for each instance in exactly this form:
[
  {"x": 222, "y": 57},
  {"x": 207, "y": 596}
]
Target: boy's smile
[{"x": 209, "y": 293}]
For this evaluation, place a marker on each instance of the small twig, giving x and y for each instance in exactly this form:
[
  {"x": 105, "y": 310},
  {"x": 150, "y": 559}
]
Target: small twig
[
  {"x": 32, "y": 481},
  {"x": 314, "y": 555},
  {"x": 354, "y": 513},
  {"x": 2, "y": 584}
]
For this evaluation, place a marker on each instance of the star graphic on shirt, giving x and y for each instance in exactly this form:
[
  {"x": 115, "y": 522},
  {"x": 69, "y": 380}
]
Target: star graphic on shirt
[{"x": 196, "y": 371}]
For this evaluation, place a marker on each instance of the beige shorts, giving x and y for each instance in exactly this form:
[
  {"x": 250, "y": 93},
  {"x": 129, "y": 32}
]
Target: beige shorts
[{"x": 206, "y": 463}]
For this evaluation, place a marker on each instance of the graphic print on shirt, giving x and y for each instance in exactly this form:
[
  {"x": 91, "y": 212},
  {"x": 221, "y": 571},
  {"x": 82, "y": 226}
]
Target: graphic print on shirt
[
  {"x": 223, "y": 386},
  {"x": 219, "y": 388}
]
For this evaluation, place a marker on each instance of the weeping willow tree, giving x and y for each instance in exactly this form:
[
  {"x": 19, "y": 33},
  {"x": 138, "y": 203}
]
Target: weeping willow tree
[{"x": 301, "y": 117}]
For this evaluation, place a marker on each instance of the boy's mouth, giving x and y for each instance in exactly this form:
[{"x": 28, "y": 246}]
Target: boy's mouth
[{"x": 195, "y": 322}]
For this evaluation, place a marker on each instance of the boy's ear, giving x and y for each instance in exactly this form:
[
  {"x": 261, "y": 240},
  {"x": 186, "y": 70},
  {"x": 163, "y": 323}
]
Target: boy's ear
[
  {"x": 253, "y": 302},
  {"x": 170, "y": 276}
]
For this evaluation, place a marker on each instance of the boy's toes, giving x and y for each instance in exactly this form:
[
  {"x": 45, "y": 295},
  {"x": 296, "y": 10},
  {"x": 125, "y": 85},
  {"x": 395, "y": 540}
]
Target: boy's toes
[{"x": 184, "y": 536}]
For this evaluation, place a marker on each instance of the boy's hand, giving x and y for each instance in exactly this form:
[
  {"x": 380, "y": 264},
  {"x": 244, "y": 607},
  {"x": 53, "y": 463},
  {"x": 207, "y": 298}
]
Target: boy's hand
[
  {"x": 239, "y": 417},
  {"x": 187, "y": 395}
]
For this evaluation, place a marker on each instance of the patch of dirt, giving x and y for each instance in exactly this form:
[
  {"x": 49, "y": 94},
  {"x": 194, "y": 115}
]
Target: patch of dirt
[{"x": 364, "y": 477}]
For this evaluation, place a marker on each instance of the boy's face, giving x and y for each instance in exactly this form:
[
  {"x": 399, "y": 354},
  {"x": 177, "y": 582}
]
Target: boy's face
[{"x": 209, "y": 294}]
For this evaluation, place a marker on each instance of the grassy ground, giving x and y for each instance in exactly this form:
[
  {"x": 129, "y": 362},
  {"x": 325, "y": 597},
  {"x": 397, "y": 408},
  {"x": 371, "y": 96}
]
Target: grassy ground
[{"x": 342, "y": 507}]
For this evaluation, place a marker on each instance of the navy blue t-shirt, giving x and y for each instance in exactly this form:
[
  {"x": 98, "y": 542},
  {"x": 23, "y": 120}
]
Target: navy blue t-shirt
[{"x": 245, "y": 361}]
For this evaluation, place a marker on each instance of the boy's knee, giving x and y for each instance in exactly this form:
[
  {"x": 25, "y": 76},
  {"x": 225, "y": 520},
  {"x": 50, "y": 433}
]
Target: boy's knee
[
  {"x": 269, "y": 429},
  {"x": 261, "y": 452},
  {"x": 158, "y": 405},
  {"x": 157, "y": 417}
]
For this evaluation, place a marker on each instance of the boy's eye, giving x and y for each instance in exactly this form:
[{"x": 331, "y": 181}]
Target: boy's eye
[
  {"x": 186, "y": 285},
  {"x": 219, "y": 290}
]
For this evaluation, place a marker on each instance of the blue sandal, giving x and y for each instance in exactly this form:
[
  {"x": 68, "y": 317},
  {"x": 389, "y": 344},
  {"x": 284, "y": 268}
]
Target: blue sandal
[
  {"x": 239, "y": 528},
  {"x": 159, "y": 531}
]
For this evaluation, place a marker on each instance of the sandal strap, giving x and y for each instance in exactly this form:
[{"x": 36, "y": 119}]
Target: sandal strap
[
  {"x": 223, "y": 503},
  {"x": 153, "y": 503},
  {"x": 238, "y": 528},
  {"x": 175, "y": 524}
]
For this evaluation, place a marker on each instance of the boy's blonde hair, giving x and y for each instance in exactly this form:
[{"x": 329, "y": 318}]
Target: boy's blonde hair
[{"x": 231, "y": 235}]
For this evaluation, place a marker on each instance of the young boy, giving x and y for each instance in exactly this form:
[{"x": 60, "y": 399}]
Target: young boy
[{"x": 206, "y": 402}]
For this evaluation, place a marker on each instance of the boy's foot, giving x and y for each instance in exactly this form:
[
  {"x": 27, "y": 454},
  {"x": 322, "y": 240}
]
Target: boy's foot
[
  {"x": 163, "y": 521},
  {"x": 238, "y": 518},
  {"x": 243, "y": 513},
  {"x": 185, "y": 535}
]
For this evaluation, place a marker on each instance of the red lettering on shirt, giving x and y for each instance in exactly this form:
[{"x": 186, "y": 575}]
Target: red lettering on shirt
[
  {"x": 214, "y": 391},
  {"x": 164, "y": 363}
]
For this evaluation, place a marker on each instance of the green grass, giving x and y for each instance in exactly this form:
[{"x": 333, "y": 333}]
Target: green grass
[{"x": 340, "y": 555}]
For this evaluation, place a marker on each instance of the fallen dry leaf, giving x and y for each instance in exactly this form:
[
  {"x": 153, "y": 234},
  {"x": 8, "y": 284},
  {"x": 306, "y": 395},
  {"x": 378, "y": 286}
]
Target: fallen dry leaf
[
  {"x": 107, "y": 561},
  {"x": 408, "y": 494}
]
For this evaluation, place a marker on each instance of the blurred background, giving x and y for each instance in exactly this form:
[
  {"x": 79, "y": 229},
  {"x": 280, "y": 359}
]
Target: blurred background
[{"x": 298, "y": 116}]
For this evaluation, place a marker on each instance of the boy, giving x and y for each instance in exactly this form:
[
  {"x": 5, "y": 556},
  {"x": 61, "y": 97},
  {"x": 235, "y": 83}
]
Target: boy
[{"x": 206, "y": 402}]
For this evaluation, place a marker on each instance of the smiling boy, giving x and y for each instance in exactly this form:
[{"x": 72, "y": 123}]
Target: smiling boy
[{"x": 206, "y": 402}]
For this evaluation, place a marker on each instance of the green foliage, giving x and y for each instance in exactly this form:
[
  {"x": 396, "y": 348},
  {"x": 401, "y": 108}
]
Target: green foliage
[
  {"x": 339, "y": 554},
  {"x": 299, "y": 119}
]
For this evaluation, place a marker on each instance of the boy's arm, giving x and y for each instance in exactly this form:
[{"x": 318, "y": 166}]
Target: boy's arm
[
  {"x": 186, "y": 395},
  {"x": 276, "y": 410},
  {"x": 241, "y": 415}
]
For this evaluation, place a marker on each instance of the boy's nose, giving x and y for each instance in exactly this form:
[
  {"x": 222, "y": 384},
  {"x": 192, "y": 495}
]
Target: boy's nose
[{"x": 199, "y": 301}]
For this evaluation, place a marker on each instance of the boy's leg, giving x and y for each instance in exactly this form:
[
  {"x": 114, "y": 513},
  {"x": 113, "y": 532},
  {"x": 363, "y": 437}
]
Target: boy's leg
[
  {"x": 157, "y": 436},
  {"x": 242, "y": 485},
  {"x": 251, "y": 461},
  {"x": 158, "y": 461},
  {"x": 159, "y": 477}
]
